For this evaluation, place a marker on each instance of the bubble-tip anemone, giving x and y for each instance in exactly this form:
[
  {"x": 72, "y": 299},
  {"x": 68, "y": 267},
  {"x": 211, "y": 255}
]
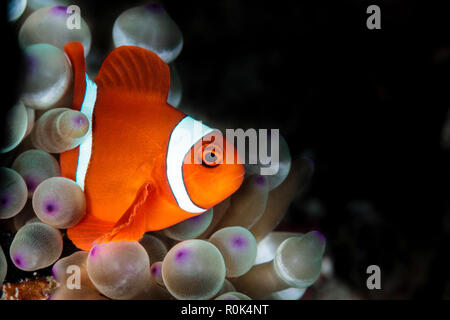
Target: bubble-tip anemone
[
  {"x": 48, "y": 76},
  {"x": 238, "y": 247},
  {"x": 15, "y": 128},
  {"x": 149, "y": 26},
  {"x": 35, "y": 246},
  {"x": 59, "y": 130},
  {"x": 119, "y": 270},
  {"x": 193, "y": 269},
  {"x": 298, "y": 260},
  {"x": 297, "y": 264},
  {"x": 233, "y": 296},
  {"x": 3, "y": 266},
  {"x": 59, "y": 202},
  {"x": 49, "y": 25},
  {"x": 13, "y": 193},
  {"x": 190, "y": 228},
  {"x": 35, "y": 166}
]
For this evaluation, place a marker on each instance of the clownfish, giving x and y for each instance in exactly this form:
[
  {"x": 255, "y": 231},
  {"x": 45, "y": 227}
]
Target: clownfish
[{"x": 144, "y": 165}]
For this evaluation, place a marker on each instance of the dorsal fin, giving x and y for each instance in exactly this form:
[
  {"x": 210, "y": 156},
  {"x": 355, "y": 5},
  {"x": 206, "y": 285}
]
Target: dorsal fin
[
  {"x": 136, "y": 70},
  {"x": 75, "y": 52}
]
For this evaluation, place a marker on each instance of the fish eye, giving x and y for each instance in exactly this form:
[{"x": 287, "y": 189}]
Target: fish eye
[
  {"x": 211, "y": 156},
  {"x": 209, "y": 159}
]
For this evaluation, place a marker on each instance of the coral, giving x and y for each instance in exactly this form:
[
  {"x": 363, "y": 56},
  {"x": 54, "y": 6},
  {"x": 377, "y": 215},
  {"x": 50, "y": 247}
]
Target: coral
[{"x": 29, "y": 289}]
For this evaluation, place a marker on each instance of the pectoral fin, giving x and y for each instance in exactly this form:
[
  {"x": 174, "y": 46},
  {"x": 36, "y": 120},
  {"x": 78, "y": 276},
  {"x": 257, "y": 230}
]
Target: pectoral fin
[
  {"x": 132, "y": 225},
  {"x": 87, "y": 231}
]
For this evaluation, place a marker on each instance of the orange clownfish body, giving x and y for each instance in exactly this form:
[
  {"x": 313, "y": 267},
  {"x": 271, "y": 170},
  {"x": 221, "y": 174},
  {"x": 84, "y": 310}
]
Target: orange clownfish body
[{"x": 135, "y": 165}]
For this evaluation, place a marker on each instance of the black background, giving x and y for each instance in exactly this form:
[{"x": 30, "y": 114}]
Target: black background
[{"x": 368, "y": 105}]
